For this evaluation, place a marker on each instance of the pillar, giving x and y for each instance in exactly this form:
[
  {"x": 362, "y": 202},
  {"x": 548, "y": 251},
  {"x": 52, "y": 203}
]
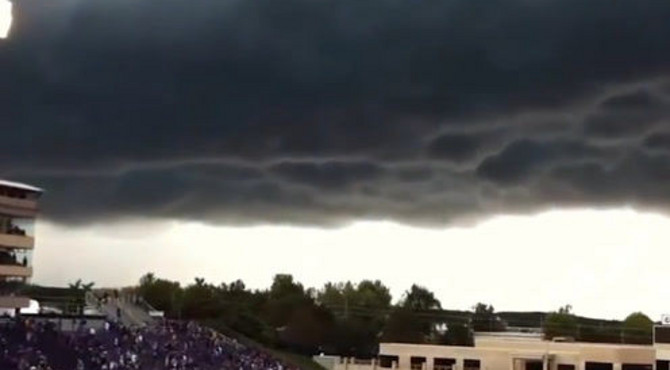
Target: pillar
[
  {"x": 459, "y": 364},
  {"x": 404, "y": 362}
]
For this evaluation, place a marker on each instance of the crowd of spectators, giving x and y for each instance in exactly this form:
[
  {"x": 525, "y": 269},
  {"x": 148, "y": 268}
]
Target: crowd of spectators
[{"x": 169, "y": 345}]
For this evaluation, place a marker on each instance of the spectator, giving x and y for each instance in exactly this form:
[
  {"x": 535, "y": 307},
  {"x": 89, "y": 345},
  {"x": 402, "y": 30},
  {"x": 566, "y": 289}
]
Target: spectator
[{"x": 170, "y": 345}]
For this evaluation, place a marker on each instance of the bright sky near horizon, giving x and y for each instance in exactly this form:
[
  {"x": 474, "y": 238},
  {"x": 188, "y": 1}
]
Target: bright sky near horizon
[
  {"x": 5, "y": 18},
  {"x": 604, "y": 263}
]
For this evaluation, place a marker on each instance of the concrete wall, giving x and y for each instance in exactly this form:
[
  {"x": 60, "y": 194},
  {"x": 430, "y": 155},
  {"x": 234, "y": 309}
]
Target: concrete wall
[
  {"x": 662, "y": 351},
  {"x": 327, "y": 362}
]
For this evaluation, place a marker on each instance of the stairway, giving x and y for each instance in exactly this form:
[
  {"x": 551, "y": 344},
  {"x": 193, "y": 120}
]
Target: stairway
[{"x": 131, "y": 314}]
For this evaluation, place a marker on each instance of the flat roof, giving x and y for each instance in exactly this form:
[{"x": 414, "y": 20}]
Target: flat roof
[{"x": 18, "y": 185}]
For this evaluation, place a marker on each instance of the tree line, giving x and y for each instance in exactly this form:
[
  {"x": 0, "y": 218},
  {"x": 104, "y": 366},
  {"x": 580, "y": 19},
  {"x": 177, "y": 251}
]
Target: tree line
[{"x": 352, "y": 318}]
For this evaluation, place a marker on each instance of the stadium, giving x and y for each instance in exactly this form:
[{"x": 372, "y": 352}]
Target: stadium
[
  {"x": 334, "y": 185},
  {"x": 85, "y": 328},
  {"x": 93, "y": 329}
]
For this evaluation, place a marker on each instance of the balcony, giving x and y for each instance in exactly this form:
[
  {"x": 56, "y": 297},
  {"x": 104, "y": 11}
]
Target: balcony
[
  {"x": 20, "y": 207},
  {"x": 14, "y": 302},
  {"x": 16, "y": 241},
  {"x": 16, "y": 271}
]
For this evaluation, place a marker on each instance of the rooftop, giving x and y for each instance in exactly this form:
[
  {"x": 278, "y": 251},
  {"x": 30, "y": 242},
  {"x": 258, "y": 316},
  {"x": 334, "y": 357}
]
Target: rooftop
[{"x": 18, "y": 185}]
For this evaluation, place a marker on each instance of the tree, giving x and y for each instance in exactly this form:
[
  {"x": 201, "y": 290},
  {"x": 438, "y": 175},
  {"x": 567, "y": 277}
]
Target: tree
[
  {"x": 200, "y": 300},
  {"x": 308, "y": 329},
  {"x": 372, "y": 294},
  {"x": 163, "y": 295},
  {"x": 455, "y": 333},
  {"x": 284, "y": 297},
  {"x": 418, "y": 298},
  {"x": 485, "y": 319},
  {"x": 414, "y": 319},
  {"x": 637, "y": 329},
  {"x": 79, "y": 290},
  {"x": 561, "y": 323},
  {"x": 403, "y": 327},
  {"x": 80, "y": 286},
  {"x": 148, "y": 279},
  {"x": 360, "y": 312}
]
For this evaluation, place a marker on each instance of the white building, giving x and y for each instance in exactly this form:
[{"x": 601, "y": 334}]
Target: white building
[
  {"x": 517, "y": 351},
  {"x": 18, "y": 210}
]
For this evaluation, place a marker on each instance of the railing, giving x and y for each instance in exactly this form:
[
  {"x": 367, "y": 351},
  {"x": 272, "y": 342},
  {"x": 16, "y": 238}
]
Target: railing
[
  {"x": 6, "y": 260},
  {"x": 26, "y": 204},
  {"x": 16, "y": 241},
  {"x": 13, "y": 230},
  {"x": 16, "y": 270}
]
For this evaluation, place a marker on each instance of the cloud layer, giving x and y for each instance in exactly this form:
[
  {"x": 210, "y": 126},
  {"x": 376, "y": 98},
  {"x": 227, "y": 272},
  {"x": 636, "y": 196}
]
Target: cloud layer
[{"x": 323, "y": 112}]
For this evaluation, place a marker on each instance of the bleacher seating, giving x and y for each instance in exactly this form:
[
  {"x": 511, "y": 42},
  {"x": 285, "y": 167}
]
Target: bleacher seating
[{"x": 27, "y": 345}]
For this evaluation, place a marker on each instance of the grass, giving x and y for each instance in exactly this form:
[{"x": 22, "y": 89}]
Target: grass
[{"x": 294, "y": 359}]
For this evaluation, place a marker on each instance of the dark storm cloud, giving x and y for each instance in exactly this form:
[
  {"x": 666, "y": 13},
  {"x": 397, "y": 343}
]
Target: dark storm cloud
[
  {"x": 454, "y": 147},
  {"x": 521, "y": 159},
  {"x": 658, "y": 140},
  {"x": 323, "y": 112},
  {"x": 328, "y": 175},
  {"x": 627, "y": 115}
]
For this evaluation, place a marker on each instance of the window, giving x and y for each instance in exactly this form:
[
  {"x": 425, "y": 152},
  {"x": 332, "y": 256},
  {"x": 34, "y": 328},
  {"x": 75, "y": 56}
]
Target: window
[
  {"x": 599, "y": 366},
  {"x": 387, "y": 361},
  {"x": 444, "y": 363},
  {"x": 416, "y": 363},
  {"x": 662, "y": 334},
  {"x": 566, "y": 367},
  {"x": 662, "y": 365},
  {"x": 637, "y": 367},
  {"x": 534, "y": 365},
  {"x": 471, "y": 364}
]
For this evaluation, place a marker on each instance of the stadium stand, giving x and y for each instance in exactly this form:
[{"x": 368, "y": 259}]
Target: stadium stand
[{"x": 173, "y": 345}]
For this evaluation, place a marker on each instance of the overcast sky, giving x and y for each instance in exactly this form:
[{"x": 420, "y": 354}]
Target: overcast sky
[
  {"x": 604, "y": 263},
  {"x": 304, "y": 117}
]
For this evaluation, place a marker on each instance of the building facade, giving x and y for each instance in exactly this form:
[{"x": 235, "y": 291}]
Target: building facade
[
  {"x": 512, "y": 352},
  {"x": 18, "y": 211}
]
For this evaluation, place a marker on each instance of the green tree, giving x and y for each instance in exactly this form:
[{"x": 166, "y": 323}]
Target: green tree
[
  {"x": 485, "y": 319},
  {"x": 637, "y": 329},
  {"x": 308, "y": 328},
  {"x": 454, "y": 333},
  {"x": 164, "y": 295},
  {"x": 285, "y": 296},
  {"x": 403, "y": 327},
  {"x": 418, "y": 298},
  {"x": 200, "y": 300},
  {"x": 78, "y": 291},
  {"x": 415, "y": 318},
  {"x": 561, "y": 323},
  {"x": 360, "y": 312}
]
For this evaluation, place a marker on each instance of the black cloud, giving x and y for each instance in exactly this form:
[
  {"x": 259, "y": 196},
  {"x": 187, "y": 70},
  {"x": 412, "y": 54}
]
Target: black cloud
[
  {"x": 627, "y": 115},
  {"x": 454, "y": 147},
  {"x": 324, "y": 112},
  {"x": 523, "y": 158},
  {"x": 658, "y": 140}
]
